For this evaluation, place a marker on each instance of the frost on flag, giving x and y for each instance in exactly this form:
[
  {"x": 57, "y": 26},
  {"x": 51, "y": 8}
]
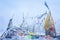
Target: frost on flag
[
  {"x": 10, "y": 24},
  {"x": 46, "y": 5},
  {"x": 49, "y": 25}
]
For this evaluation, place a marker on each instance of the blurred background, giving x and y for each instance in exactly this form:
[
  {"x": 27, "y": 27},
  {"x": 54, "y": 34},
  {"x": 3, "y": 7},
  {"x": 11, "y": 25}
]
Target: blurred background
[{"x": 30, "y": 8}]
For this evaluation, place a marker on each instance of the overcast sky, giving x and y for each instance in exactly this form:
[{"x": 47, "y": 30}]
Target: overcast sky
[{"x": 30, "y": 8}]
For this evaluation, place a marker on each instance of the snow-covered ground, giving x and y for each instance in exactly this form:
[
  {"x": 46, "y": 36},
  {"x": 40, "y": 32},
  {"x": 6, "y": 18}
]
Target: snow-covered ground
[{"x": 26, "y": 38}]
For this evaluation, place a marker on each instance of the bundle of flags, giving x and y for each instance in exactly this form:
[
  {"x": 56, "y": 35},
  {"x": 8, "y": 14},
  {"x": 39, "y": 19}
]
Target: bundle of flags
[{"x": 49, "y": 24}]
